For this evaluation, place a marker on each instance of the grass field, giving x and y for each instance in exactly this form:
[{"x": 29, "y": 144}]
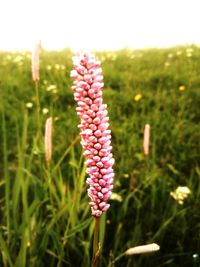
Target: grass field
[{"x": 45, "y": 218}]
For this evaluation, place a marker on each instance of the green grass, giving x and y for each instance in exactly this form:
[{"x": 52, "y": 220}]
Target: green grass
[{"x": 44, "y": 213}]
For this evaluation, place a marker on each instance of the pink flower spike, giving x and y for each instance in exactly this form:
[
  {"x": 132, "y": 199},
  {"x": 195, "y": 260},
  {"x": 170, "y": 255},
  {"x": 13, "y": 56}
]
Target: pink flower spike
[
  {"x": 143, "y": 249},
  {"x": 146, "y": 139},
  {"x": 48, "y": 139},
  {"x": 95, "y": 135},
  {"x": 35, "y": 62}
]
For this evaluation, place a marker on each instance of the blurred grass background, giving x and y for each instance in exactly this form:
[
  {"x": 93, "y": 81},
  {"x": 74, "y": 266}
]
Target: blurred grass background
[{"x": 44, "y": 213}]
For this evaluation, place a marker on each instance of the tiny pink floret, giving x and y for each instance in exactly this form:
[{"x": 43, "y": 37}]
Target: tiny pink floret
[{"x": 95, "y": 136}]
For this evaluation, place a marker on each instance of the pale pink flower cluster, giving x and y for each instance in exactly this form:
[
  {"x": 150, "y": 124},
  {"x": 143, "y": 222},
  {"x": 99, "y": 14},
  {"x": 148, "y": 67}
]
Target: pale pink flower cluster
[
  {"x": 95, "y": 135},
  {"x": 48, "y": 139},
  {"x": 146, "y": 139},
  {"x": 35, "y": 62},
  {"x": 143, "y": 249}
]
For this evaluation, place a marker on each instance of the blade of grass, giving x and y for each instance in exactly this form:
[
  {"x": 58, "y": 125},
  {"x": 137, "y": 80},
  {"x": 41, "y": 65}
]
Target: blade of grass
[
  {"x": 6, "y": 251},
  {"x": 66, "y": 152},
  {"x": 6, "y": 175}
]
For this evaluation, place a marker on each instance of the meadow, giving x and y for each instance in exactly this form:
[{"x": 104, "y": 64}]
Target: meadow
[{"x": 45, "y": 218}]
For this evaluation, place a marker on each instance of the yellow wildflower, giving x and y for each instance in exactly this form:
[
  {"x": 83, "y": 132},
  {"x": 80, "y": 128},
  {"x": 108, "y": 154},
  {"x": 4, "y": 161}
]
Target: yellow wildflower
[
  {"x": 181, "y": 88},
  {"x": 138, "y": 97},
  {"x": 126, "y": 175}
]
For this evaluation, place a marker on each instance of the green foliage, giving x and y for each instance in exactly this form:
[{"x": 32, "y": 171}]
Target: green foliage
[{"x": 44, "y": 213}]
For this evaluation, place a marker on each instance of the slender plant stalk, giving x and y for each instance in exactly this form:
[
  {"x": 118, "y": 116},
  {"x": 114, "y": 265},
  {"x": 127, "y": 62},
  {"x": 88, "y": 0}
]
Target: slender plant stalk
[
  {"x": 6, "y": 252},
  {"x": 6, "y": 175},
  {"x": 96, "y": 243},
  {"x": 37, "y": 107},
  {"x": 25, "y": 183},
  {"x": 50, "y": 186},
  {"x": 76, "y": 139},
  {"x": 116, "y": 259}
]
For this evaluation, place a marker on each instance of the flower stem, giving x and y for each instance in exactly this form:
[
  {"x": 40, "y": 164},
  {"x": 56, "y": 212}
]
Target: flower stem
[
  {"x": 37, "y": 106},
  {"x": 96, "y": 243},
  {"x": 116, "y": 259}
]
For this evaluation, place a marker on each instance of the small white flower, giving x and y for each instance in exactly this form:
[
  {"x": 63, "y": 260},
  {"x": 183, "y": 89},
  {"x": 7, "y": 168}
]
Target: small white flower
[
  {"x": 57, "y": 66},
  {"x": 45, "y": 110},
  {"x": 189, "y": 54},
  {"x": 116, "y": 197},
  {"x": 140, "y": 55},
  {"x": 49, "y": 67},
  {"x": 45, "y": 82},
  {"x": 179, "y": 53},
  {"x": 170, "y": 55},
  {"x": 180, "y": 194},
  {"x": 18, "y": 59},
  {"x": 183, "y": 190},
  {"x": 8, "y": 57},
  {"x": 189, "y": 50},
  {"x": 29, "y": 105},
  {"x": 167, "y": 64},
  {"x": 62, "y": 67},
  {"x": 51, "y": 87},
  {"x": 102, "y": 58}
]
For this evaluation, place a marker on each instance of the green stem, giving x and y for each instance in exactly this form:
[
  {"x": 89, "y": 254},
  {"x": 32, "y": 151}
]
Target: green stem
[
  {"x": 76, "y": 139},
  {"x": 6, "y": 175},
  {"x": 50, "y": 185},
  {"x": 116, "y": 259},
  {"x": 37, "y": 107},
  {"x": 96, "y": 243}
]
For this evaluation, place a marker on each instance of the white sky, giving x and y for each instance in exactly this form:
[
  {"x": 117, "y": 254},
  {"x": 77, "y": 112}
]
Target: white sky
[{"x": 98, "y": 24}]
